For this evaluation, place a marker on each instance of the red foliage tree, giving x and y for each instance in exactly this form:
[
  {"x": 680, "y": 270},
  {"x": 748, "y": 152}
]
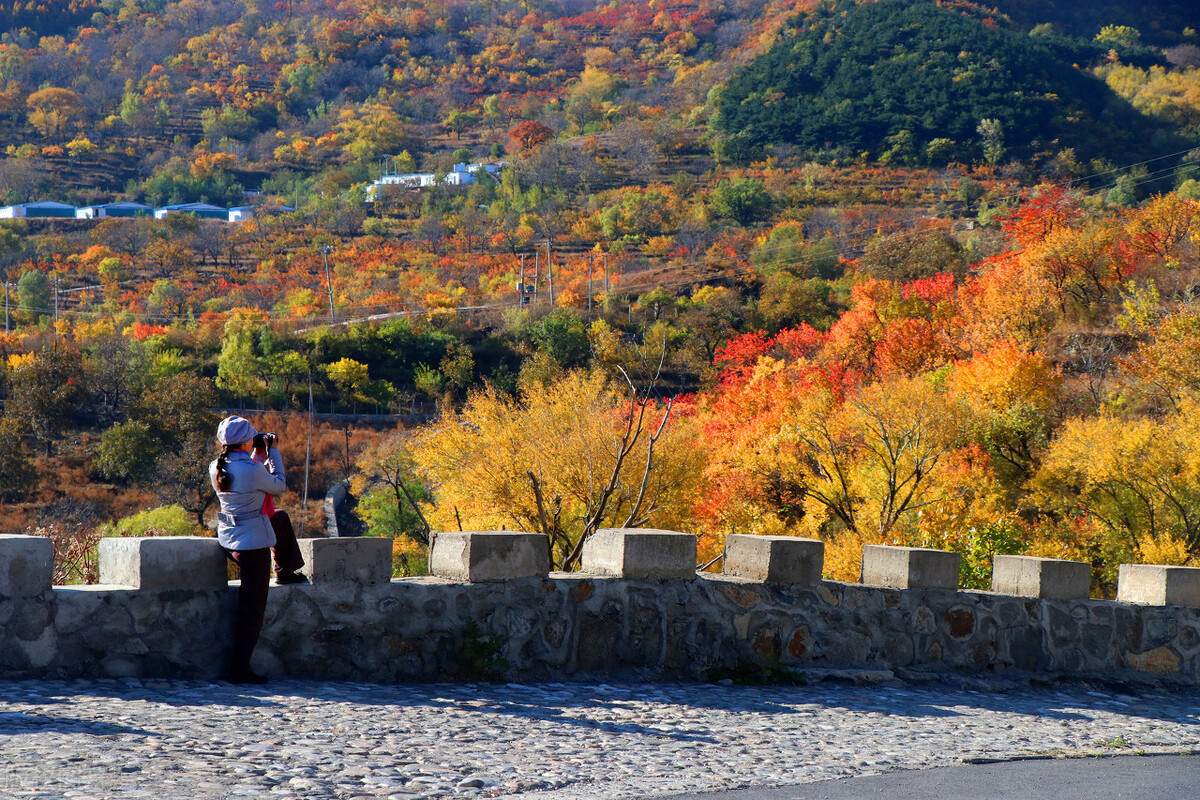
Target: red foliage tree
[{"x": 529, "y": 135}]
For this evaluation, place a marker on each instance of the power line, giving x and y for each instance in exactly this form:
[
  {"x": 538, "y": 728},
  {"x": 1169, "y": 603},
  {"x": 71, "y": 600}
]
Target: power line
[{"x": 1138, "y": 164}]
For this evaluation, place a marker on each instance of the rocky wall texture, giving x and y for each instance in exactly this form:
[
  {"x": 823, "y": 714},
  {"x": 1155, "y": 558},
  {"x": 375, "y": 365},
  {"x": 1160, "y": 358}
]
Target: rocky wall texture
[{"x": 571, "y": 626}]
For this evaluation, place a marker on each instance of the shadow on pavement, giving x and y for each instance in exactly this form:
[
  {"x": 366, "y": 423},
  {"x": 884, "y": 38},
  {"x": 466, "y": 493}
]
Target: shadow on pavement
[{"x": 1168, "y": 777}]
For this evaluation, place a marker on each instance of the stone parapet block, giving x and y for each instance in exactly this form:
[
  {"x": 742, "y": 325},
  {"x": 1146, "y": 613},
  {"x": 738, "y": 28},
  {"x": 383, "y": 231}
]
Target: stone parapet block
[
  {"x": 1158, "y": 585},
  {"x": 1026, "y": 576},
  {"x": 909, "y": 567},
  {"x": 347, "y": 559},
  {"x": 484, "y": 556},
  {"x": 162, "y": 562},
  {"x": 774, "y": 559},
  {"x": 640, "y": 553},
  {"x": 28, "y": 565}
]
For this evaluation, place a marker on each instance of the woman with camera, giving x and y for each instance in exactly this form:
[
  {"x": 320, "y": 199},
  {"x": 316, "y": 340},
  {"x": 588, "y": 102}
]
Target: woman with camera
[{"x": 244, "y": 487}]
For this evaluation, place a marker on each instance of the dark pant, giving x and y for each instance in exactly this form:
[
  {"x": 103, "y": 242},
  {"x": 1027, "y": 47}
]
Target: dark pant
[
  {"x": 287, "y": 551},
  {"x": 255, "y": 566}
]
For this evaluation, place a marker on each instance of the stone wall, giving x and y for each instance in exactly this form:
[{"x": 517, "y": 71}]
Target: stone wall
[{"x": 353, "y": 623}]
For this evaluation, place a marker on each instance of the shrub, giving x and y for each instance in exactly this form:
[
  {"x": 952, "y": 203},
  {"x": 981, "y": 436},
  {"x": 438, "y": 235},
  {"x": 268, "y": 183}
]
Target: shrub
[{"x": 161, "y": 521}]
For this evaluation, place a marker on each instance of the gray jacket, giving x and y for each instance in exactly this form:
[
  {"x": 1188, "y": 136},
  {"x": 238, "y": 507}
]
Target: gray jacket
[{"x": 240, "y": 523}]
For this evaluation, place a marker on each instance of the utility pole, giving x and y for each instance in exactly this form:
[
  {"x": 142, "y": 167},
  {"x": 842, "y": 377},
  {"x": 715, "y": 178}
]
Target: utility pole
[
  {"x": 329, "y": 281},
  {"x": 537, "y": 274},
  {"x": 6, "y": 285},
  {"x": 521, "y": 292},
  {"x": 56, "y": 300},
  {"x": 550, "y": 271},
  {"x": 605, "y": 257},
  {"x": 308, "y": 447},
  {"x": 591, "y": 260}
]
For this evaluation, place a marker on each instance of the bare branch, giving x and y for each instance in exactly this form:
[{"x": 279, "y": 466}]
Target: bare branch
[
  {"x": 637, "y": 504},
  {"x": 425, "y": 528}
]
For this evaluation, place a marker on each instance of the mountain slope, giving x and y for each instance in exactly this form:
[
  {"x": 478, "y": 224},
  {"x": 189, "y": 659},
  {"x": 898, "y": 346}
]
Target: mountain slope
[{"x": 890, "y": 78}]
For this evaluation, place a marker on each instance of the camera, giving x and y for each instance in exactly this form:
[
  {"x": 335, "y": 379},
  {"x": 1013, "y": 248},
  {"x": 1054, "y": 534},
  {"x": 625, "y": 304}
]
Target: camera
[{"x": 265, "y": 441}]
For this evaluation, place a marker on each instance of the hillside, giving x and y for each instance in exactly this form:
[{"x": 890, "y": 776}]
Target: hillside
[
  {"x": 910, "y": 82},
  {"x": 1008, "y": 293},
  {"x": 196, "y": 101},
  {"x": 1161, "y": 22}
]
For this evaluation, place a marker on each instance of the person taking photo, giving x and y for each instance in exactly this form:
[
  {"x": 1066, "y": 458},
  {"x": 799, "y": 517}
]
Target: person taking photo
[{"x": 243, "y": 486}]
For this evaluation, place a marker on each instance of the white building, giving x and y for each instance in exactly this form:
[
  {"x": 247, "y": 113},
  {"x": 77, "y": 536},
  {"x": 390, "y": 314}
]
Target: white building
[
  {"x": 42, "y": 209},
  {"x": 203, "y": 210},
  {"x": 461, "y": 175},
  {"x": 123, "y": 209},
  {"x": 246, "y": 213}
]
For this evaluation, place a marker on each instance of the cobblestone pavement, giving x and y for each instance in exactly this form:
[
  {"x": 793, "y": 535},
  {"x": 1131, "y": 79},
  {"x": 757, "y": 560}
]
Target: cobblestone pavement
[{"x": 297, "y": 739}]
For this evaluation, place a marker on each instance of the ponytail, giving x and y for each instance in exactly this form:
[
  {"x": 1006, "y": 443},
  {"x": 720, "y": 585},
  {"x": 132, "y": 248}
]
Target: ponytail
[{"x": 224, "y": 479}]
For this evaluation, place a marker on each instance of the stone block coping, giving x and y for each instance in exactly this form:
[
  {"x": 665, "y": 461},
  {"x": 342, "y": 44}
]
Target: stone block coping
[
  {"x": 909, "y": 567},
  {"x": 162, "y": 562},
  {"x": 28, "y": 565},
  {"x": 774, "y": 559},
  {"x": 1026, "y": 576},
  {"x": 484, "y": 556},
  {"x": 1158, "y": 585},
  {"x": 357, "y": 559},
  {"x": 640, "y": 553}
]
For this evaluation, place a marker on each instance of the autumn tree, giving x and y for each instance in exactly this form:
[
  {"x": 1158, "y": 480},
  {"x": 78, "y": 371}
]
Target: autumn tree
[
  {"x": 792, "y": 449},
  {"x": 528, "y": 135},
  {"x": 55, "y": 111},
  {"x": 390, "y": 497},
  {"x": 168, "y": 257},
  {"x": 587, "y": 99},
  {"x": 912, "y": 254},
  {"x": 353, "y": 381},
  {"x": 566, "y": 459},
  {"x": 1083, "y": 264},
  {"x": 1007, "y": 396},
  {"x": 1139, "y": 478},
  {"x": 1167, "y": 362},
  {"x": 1165, "y": 227},
  {"x": 372, "y": 131},
  {"x": 44, "y": 392}
]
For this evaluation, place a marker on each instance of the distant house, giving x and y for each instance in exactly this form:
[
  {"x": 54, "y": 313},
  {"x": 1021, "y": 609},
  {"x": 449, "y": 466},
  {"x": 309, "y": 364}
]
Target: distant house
[
  {"x": 492, "y": 170},
  {"x": 202, "y": 210},
  {"x": 409, "y": 180},
  {"x": 43, "y": 209},
  {"x": 245, "y": 213},
  {"x": 461, "y": 175},
  {"x": 124, "y": 209}
]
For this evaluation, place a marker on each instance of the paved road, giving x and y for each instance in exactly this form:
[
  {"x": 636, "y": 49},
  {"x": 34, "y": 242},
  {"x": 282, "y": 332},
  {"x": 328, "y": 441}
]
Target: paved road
[
  {"x": 162, "y": 740},
  {"x": 1113, "y": 778}
]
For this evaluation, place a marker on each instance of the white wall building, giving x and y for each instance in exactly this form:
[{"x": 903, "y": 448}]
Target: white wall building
[
  {"x": 44, "y": 208},
  {"x": 124, "y": 209},
  {"x": 461, "y": 175}
]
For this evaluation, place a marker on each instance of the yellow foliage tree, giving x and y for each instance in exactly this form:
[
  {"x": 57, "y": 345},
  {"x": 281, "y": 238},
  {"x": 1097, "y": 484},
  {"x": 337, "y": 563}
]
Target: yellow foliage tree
[
  {"x": 1007, "y": 394},
  {"x": 566, "y": 459},
  {"x": 1168, "y": 363},
  {"x": 1008, "y": 302},
  {"x": 1137, "y": 479},
  {"x": 852, "y": 472},
  {"x": 54, "y": 111},
  {"x": 1165, "y": 226}
]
